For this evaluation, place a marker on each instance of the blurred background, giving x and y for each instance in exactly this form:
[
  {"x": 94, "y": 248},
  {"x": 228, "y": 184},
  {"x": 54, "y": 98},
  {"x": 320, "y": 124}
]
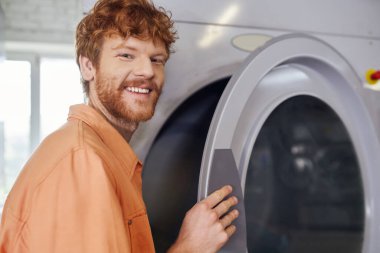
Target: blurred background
[{"x": 39, "y": 78}]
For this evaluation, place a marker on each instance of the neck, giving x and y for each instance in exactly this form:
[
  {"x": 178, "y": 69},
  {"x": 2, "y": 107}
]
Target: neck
[{"x": 124, "y": 127}]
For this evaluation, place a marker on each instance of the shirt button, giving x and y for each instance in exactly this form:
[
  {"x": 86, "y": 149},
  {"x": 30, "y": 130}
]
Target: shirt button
[{"x": 129, "y": 222}]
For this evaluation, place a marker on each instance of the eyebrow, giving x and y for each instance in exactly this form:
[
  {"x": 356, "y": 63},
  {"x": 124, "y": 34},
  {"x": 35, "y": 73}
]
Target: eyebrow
[{"x": 123, "y": 46}]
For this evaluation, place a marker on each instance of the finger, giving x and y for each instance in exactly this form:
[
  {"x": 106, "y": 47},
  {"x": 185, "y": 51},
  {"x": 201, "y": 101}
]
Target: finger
[
  {"x": 214, "y": 198},
  {"x": 230, "y": 230},
  {"x": 229, "y": 218},
  {"x": 225, "y": 205}
]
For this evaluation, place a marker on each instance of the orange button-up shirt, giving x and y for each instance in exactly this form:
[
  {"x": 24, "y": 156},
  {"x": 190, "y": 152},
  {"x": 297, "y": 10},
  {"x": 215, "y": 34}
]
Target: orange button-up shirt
[{"x": 79, "y": 192}]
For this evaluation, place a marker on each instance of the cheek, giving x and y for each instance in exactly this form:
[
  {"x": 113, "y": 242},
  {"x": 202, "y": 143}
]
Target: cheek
[
  {"x": 112, "y": 79},
  {"x": 160, "y": 78}
]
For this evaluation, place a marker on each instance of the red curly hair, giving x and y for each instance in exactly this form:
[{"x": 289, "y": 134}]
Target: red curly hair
[{"x": 136, "y": 18}]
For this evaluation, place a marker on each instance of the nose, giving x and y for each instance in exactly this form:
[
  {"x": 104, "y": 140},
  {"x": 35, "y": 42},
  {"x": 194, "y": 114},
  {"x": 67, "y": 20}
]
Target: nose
[{"x": 144, "y": 68}]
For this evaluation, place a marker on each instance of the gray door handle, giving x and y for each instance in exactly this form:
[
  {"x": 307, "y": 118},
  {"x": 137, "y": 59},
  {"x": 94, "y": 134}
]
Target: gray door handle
[{"x": 224, "y": 171}]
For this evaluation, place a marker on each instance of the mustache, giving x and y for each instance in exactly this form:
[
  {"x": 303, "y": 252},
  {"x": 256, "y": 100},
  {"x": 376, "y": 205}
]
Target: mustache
[{"x": 139, "y": 83}]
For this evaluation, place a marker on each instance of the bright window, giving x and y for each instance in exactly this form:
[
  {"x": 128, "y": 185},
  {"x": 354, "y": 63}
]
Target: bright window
[
  {"x": 15, "y": 100},
  {"x": 60, "y": 88},
  {"x": 26, "y": 115}
]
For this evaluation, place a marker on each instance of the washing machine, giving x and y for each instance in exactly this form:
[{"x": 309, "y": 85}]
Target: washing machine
[{"x": 273, "y": 100}]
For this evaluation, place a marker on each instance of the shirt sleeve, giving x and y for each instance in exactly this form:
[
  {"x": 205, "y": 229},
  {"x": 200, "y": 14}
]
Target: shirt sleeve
[{"x": 76, "y": 209}]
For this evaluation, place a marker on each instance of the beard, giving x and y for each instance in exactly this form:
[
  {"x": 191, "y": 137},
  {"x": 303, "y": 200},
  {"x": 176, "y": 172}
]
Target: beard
[{"x": 123, "y": 105}]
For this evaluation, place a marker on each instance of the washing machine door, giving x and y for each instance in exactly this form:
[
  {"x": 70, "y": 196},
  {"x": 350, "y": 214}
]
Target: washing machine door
[{"x": 294, "y": 138}]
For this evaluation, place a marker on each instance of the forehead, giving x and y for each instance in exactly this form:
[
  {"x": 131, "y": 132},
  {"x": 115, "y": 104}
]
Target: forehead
[{"x": 116, "y": 42}]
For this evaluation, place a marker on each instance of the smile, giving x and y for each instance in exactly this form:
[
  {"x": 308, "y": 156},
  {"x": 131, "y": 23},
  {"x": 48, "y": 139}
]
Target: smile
[{"x": 138, "y": 90}]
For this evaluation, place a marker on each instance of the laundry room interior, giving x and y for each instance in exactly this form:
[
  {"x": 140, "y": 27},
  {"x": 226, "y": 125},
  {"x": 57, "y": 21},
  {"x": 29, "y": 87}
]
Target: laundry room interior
[{"x": 279, "y": 99}]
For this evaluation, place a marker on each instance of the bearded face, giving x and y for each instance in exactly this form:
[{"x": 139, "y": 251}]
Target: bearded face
[
  {"x": 128, "y": 79},
  {"x": 133, "y": 101}
]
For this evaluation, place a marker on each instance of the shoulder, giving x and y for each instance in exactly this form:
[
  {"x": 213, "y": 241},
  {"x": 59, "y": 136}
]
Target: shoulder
[
  {"x": 63, "y": 155},
  {"x": 72, "y": 146}
]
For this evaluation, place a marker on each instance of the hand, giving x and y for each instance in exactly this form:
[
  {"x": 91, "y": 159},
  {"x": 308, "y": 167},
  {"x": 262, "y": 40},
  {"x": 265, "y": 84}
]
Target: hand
[{"x": 207, "y": 225}]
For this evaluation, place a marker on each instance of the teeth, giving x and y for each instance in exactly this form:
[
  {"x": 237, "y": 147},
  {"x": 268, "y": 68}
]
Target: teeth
[{"x": 138, "y": 90}]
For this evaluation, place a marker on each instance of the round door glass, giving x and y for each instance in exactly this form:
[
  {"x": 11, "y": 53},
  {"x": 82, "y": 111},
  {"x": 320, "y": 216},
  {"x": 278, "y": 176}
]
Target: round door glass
[{"x": 303, "y": 189}]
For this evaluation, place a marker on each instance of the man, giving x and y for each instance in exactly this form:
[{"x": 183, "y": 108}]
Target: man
[{"x": 81, "y": 189}]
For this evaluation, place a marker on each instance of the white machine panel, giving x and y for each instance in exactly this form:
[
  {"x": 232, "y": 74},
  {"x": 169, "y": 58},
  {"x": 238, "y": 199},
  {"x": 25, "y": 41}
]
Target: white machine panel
[{"x": 344, "y": 17}]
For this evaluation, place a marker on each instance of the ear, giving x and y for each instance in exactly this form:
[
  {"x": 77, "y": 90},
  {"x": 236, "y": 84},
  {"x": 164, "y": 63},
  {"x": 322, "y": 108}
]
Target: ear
[{"x": 87, "y": 69}]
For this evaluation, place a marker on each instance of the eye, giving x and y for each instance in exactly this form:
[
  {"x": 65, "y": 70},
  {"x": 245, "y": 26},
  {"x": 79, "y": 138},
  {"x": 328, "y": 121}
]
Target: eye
[
  {"x": 158, "y": 60},
  {"x": 127, "y": 56}
]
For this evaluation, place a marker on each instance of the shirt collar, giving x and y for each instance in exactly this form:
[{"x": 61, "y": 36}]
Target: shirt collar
[{"x": 109, "y": 135}]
